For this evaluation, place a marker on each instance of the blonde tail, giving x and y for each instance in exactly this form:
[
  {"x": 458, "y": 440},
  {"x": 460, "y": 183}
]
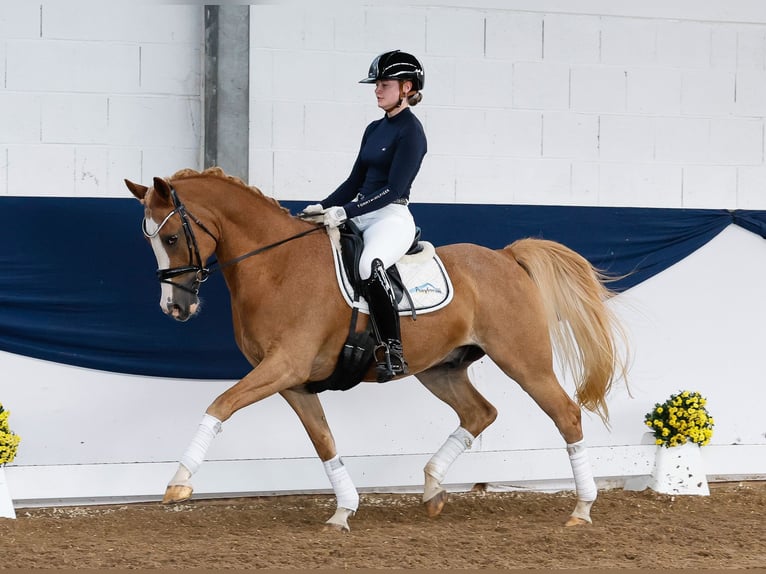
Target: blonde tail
[{"x": 586, "y": 334}]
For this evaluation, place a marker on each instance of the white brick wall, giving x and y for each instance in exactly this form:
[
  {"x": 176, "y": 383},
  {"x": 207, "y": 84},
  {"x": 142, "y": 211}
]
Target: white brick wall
[
  {"x": 628, "y": 42},
  {"x": 526, "y": 102},
  {"x": 537, "y": 102},
  {"x": 652, "y": 91},
  {"x": 536, "y": 85},
  {"x": 751, "y": 183},
  {"x": 570, "y": 135},
  {"x": 515, "y": 34},
  {"x": 627, "y": 138},
  {"x": 571, "y": 39},
  {"x": 93, "y": 95}
]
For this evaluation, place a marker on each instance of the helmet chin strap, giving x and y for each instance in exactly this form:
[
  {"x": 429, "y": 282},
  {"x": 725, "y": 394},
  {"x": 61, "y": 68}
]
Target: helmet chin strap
[
  {"x": 390, "y": 109},
  {"x": 402, "y": 95}
]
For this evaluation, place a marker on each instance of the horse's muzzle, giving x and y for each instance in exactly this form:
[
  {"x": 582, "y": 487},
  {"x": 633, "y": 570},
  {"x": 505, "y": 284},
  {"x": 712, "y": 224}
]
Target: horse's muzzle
[
  {"x": 181, "y": 313},
  {"x": 180, "y": 304}
]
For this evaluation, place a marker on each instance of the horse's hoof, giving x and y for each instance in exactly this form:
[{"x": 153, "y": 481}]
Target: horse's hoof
[
  {"x": 176, "y": 493},
  {"x": 576, "y": 521},
  {"x": 332, "y": 527},
  {"x": 581, "y": 514},
  {"x": 435, "y": 504},
  {"x": 338, "y": 522}
]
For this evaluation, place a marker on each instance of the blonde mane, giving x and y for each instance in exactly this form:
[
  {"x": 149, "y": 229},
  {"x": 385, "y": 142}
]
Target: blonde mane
[{"x": 217, "y": 172}]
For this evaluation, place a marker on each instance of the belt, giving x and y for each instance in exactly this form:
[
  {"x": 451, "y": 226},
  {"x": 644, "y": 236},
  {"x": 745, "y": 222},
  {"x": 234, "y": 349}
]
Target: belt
[{"x": 400, "y": 201}]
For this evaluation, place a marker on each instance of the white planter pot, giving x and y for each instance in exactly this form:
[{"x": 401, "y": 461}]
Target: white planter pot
[
  {"x": 6, "y": 503},
  {"x": 679, "y": 470}
]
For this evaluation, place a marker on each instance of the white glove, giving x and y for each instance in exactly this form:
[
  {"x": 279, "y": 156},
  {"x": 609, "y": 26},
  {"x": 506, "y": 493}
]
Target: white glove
[
  {"x": 313, "y": 209},
  {"x": 334, "y": 216}
]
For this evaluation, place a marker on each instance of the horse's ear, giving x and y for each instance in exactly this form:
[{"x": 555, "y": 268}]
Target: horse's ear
[
  {"x": 136, "y": 189},
  {"x": 162, "y": 188}
]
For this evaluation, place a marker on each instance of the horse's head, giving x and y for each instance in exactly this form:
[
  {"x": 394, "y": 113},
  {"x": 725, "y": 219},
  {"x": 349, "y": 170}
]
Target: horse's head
[{"x": 181, "y": 255}]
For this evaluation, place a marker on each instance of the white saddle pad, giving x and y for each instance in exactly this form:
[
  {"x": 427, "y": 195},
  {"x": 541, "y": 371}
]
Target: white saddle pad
[{"x": 423, "y": 275}]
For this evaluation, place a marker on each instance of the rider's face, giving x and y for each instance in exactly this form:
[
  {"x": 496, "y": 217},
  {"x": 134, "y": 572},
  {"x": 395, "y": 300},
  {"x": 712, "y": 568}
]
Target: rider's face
[{"x": 388, "y": 93}]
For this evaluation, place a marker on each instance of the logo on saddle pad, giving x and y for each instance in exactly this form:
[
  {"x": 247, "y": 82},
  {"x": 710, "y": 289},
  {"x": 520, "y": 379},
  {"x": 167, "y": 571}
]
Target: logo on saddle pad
[
  {"x": 423, "y": 276},
  {"x": 427, "y": 288}
]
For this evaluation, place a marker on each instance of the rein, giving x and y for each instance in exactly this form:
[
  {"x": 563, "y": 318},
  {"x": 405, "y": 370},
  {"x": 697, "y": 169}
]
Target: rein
[
  {"x": 195, "y": 260},
  {"x": 235, "y": 260}
]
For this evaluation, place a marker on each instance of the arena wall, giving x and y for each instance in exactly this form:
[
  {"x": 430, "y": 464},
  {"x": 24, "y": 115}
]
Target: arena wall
[
  {"x": 550, "y": 103},
  {"x": 553, "y": 102}
]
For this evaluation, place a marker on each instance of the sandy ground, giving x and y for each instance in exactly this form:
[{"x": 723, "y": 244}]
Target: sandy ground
[{"x": 477, "y": 530}]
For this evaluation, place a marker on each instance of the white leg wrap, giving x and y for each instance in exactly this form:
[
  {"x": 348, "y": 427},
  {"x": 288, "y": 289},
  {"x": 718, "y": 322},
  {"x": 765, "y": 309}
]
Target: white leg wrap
[
  {"x": 181, "y": 477},
  {"x": 345, "y": 491},
  {"x": 455, "y": 445},
  {"x": 197, "y": 449},
  {"x": 585, "y": 485}
]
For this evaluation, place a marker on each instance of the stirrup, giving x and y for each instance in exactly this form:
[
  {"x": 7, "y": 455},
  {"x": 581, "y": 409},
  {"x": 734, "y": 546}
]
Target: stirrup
[{"x": 392, "y": 362}]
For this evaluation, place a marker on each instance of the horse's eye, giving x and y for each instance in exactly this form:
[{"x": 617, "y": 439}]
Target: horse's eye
[{"x": 171, "y": 240}]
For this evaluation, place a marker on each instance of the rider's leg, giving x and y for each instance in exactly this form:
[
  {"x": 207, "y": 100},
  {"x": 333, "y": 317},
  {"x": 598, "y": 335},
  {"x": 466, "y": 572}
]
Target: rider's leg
[
  {"x": 388, "y": 233},
  {"x": 380, "y": 297}
]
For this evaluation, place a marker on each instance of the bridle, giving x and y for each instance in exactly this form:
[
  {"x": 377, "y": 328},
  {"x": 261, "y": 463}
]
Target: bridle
[{"x": 196, "y": 265}]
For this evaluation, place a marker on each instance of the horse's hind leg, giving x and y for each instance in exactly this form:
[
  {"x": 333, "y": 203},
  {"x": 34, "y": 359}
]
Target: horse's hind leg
[
  {"x": 310, "y": 412},
  {"x": 452, "y": 385},
  {"x": 567, "y": 415},
  {"x": 534, "y": 373}
]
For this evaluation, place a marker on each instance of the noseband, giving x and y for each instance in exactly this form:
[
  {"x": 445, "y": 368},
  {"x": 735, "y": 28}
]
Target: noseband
[{"x": 196, "y": 265}]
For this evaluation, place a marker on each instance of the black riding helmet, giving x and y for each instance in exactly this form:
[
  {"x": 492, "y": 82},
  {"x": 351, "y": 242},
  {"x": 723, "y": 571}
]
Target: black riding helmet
[{"x": 396, "y": 65}]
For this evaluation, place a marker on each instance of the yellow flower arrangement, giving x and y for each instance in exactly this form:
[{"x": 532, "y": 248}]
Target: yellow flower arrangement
[
  {"x": 9, "y": 441},
  {"x": 680, "y": 419}
]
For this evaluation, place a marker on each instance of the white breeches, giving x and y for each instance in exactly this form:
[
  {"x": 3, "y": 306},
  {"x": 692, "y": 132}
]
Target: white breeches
[{"x": 388, "y": 233}]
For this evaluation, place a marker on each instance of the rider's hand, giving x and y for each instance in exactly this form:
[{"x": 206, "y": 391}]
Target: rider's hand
[
  {"x": 334, "y": 216},
  {"x": 313, "y": 209}
]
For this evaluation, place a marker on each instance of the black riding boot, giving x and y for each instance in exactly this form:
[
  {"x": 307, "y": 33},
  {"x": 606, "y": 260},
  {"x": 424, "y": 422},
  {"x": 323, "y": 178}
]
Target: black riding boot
[{"x": 385, "y": 317}]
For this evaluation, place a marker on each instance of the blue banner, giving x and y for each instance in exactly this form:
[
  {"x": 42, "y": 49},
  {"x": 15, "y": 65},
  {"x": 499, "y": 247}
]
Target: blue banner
[{"x": 78, "y": 282}]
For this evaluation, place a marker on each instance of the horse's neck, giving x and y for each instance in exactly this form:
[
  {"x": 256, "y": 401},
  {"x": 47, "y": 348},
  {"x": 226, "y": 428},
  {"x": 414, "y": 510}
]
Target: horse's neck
[{"x": 247, "y": 219}]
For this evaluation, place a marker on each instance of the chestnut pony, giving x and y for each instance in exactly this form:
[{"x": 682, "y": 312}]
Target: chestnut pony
[{"x": 516, "y": 305}]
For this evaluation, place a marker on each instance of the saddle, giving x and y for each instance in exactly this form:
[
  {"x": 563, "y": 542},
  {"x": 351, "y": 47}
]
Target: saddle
[{"x": 358, "y": 351}]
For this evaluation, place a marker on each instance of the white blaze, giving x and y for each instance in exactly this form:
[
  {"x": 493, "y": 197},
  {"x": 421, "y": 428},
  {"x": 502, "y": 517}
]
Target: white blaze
[{"x": 163, "y": 262}]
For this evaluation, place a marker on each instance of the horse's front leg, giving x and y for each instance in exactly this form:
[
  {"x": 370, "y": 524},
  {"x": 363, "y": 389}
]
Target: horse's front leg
[
  {"x": 309, "y": 410},
  {"x": 452, "y": 385},
  {"x": 180, "y": 487},
  {"x": 271, "y": 376}
]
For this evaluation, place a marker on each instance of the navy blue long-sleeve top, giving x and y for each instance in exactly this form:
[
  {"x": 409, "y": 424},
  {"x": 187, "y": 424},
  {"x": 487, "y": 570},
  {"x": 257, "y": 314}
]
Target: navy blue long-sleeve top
[{"x": 389, "y": 158}]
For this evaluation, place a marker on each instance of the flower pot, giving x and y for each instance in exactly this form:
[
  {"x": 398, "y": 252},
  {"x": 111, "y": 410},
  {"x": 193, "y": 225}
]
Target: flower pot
[
  {"x": 679, "y": 470},
  {"x": 6, "y": 504}
]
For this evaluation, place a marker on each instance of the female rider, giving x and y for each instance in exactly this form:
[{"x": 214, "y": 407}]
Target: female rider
[{"x": 376, "y": 193}]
